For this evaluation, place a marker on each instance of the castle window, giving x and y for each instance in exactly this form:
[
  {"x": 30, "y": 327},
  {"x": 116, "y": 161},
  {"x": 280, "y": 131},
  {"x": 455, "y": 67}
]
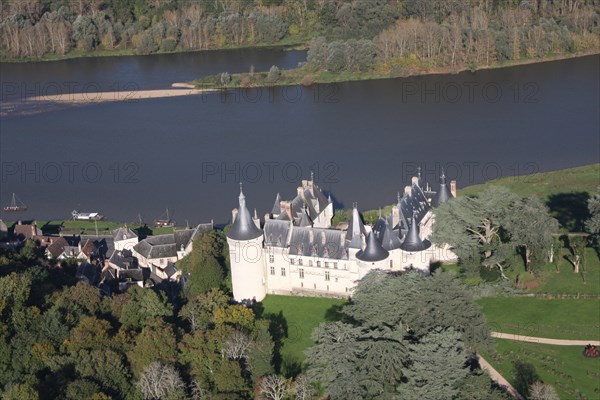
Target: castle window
[
  {"x": 319, "y": 264},
  {"x": 315, "y": 285},
  {"x": 310, "y": 263},
  {"x": 271, "y": 258},
  {"x": 328, "y": 288},
  {"x": 282, "y": 271},
  {"x": 272, "y": 270},
  {"x": 327, "y": 275},
  {"x": 292, "y": 261},
  {"x": 335, "y": 265},
  {"x": 301, "y": 271},
  {"x": 336, "y": 279},
  {"x": 326, "y": 264},
  {"x": 301, "y": 284},
  {"x": 391, "y": 263},
  {"x": 299, "y": 261}
]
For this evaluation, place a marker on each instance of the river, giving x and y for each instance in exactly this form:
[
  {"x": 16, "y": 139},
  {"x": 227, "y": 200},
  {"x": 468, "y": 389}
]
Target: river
[{"x": 362, "y": 140}]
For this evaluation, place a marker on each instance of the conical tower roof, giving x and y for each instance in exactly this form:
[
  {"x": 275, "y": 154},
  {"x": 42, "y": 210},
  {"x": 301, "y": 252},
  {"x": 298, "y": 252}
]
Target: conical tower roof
[
  {"x": 304, "y": 219},
  {"x": 276, "y": 210},
  {"x": 413, "y": 242},
  {"x": 443, "y": 194},
  {"x": 356, "y": 228},
  {"x": 243, "y": 227},
  {"x": 373, "y": 250}
]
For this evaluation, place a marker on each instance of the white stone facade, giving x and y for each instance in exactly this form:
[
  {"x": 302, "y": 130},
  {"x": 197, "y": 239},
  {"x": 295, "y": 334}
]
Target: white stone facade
[{"x": 297, "y": 254}]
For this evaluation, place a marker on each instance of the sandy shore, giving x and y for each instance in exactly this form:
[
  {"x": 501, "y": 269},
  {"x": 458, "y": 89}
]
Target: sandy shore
[{"x": 97, "y": 97}]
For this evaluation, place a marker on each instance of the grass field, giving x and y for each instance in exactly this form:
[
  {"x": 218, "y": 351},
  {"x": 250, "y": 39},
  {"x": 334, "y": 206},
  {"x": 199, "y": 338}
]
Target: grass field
[
  {"x": 549, "y": 318},
  {"x": 562, "y": 367},
  {"x": 301, "y": 315},
  {"x": 572, "y": 180},
  {"x": 560, "y": 278},
  {"x": 565, "y": 192},
  {"x": 70, "y": 227}
]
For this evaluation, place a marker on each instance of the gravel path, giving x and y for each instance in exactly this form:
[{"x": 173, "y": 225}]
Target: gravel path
[{"x": 558, "y": 342}]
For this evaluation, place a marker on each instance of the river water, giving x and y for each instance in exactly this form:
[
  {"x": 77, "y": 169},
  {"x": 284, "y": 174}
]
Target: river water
[{"x": 362, "y": 140}]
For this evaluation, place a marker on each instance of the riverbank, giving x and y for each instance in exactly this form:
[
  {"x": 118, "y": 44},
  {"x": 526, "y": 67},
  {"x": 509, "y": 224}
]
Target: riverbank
[
  {"x": 287, "y": 44},
  {"x": 307, "y": 76},
  {"x": 180, "y": 89}
]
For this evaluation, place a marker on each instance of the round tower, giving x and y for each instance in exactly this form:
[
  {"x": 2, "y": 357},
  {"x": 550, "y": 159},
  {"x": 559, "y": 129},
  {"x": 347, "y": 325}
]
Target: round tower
[{"x": 246, "y": 255}]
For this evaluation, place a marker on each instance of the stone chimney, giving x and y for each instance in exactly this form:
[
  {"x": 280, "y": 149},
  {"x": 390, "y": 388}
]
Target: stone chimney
[
  {"x": 453, "y": 188},
  {"x": 234, "y": 214},
  {"x": 415, "y": 180},
  {"x": 286, "y": 208},
  {"x": 407, "y": 190},
  {"x": 300, "y": 190}
]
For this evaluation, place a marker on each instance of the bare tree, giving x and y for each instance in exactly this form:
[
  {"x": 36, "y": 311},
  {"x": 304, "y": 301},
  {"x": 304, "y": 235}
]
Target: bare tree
[
  {"x": 577, "y": 245},
  {"x": 302, "y": 388},
  {"x": 236, "y": 345},
  {"x": 159, "y": 380},
  {"x": 198, "y": 392},
  {"x": 273, "y": 387},
  {"x": 541, "y": 391}
]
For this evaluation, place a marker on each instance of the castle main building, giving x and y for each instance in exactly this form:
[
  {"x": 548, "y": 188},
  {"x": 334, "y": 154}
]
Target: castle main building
[{"x": 297, "y": 251}]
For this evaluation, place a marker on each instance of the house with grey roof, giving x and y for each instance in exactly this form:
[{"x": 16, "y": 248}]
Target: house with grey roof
[
  {"x": 158, "y": 252},
  {"x": 124, "y": 238},
  {"x": 300, "y": 253}
]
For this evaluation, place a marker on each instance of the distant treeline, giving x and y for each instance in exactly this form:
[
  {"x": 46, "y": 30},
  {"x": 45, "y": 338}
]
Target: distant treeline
[{"x": 443, "y": 32}]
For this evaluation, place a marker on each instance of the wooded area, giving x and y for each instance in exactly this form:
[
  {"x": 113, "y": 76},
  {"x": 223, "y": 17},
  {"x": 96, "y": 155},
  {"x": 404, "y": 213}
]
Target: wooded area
[{"x": 397, "y": 33}]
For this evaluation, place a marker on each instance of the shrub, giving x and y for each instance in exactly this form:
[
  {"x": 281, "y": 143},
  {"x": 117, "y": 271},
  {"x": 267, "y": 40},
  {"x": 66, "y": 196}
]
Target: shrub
[
  {"x": 307, "y": 80},
  {"x": 274, "y": 73},
  {"x": 168, "y": 44}
]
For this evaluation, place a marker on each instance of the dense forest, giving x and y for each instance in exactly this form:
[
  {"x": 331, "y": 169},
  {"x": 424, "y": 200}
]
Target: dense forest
[{"x": 383, "y": 34}]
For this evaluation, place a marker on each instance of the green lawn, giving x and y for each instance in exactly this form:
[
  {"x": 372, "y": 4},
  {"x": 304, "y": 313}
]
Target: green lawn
[
  {"x": 571, "y": 180},
  {"x": 301, "y": 315},
  {"x": 563, "y": 367},
  {"x": 70, "y": 227},
  {"x": 549, "y": 318},
  {"x": 560, "y": 279}
]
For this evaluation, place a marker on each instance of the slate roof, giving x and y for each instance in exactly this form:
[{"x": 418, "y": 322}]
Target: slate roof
[
  {"x": 413, "y": 242},
  {"x": 123, "y": 233},
  {"x": 243, "y": 227},
  {"x": 443, "y": 194},
  {"x": 136, "y": 275},
  {"x": 170, "y": 270},
  {"x": 373, "y": 251},
  {"x": 167, "y": 245},
  {"x": 123, "y": 259},
  {"x": 88, "y": 272},
  {"x": 276, "y": 232},
  {"x": 325, "y": 243},
  {"x": 356, "y": 227},
  {"x": 276, "y": 210},
  {"x": 388, "y": 238},
  {"x": 304, "y": 219}
]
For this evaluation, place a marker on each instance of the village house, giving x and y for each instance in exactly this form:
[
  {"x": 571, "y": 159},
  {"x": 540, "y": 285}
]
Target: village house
[
  {"x": 26, "y": 231},
  {"x": 159, "y": 253}
]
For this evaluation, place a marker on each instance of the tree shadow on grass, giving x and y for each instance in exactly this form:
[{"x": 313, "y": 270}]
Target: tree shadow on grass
[
  {"x": 52, "y": 228},
  {"x": 334, "y": 313},
  {"x": 278, "y": 328},
  {"x": 570, "y": 209},
  {"x": 291, "y": 367}
]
